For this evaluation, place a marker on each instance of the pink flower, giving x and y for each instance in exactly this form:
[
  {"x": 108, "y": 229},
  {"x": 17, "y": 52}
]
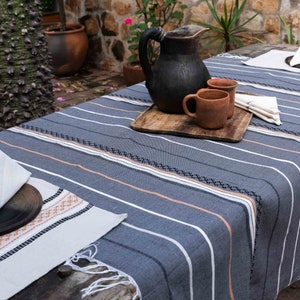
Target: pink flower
[
  {"x": 61, "y": 99},
  {"x": 128, "y": 21}
]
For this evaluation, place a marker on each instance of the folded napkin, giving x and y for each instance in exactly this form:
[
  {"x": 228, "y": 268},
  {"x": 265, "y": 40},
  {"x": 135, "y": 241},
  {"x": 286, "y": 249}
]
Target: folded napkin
[
  {"x": 296, "y": 59},
  {"x": 263, "y": 107},
  {"x": 12, "y": 177}
]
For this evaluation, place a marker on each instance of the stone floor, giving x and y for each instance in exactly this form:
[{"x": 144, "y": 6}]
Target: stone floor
[
  {"x": 89, "y": 83},
  {"x": 92, "y": 83}
]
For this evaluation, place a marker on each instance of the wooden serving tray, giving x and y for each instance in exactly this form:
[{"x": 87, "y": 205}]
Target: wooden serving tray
[{"x": 156, "y": 121}]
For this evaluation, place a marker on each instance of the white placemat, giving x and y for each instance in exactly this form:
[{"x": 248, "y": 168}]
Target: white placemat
[
  {"x": 274, "y": 59},
  {"x": 65, "y": 225}
]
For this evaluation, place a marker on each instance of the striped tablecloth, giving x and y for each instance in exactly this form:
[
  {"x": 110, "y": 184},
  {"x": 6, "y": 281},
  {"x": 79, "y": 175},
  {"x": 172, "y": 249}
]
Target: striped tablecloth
[{"x": 206, "y": 219}]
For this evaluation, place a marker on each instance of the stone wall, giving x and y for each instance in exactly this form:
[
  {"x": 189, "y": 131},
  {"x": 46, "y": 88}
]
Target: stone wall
[{"x": 108, "y": 34}]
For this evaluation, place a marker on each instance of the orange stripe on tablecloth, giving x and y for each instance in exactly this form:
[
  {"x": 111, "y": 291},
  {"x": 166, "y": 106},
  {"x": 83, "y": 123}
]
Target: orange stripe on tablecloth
[
  {"x": 272, "y": 147},
  {"x": 227, "y": 225}
]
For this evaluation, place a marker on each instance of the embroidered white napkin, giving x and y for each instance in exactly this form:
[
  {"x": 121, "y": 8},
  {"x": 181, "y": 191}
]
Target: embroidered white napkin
[
  {"x": 296, "y": 58},
  {"x": 12, "y": 177},
  {"x": 263, "y": 107}
]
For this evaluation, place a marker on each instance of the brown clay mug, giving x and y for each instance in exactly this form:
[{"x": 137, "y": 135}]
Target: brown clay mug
[
  {"x": 227, "y": 85},
  {"x": 211, "y": 109}
]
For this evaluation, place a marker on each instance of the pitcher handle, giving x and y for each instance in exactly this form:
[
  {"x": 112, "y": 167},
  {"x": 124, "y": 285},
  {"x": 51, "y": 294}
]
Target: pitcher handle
[{"x": 157, "y": 34}]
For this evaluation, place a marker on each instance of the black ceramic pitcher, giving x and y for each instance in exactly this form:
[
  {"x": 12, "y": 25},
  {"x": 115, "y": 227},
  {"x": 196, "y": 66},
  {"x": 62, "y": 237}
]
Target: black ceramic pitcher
[{"x": 179, "y": 71}]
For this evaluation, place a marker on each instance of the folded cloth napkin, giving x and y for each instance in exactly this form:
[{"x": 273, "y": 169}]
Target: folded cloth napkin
[
  {"x": 296, "y": 59},
  {"x": 263, "y": 107},
  {"x": 12, "y": 177}
]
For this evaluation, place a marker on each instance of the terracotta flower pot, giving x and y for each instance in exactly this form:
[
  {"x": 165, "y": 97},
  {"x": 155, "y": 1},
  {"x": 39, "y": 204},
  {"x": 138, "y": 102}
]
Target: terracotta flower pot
[
  {"x": 133, "y": 74},
  {"x": 67, "y": 48}
]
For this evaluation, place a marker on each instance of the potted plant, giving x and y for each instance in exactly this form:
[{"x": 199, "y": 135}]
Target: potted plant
[
  {"x": 167, "y": 14},
  {"x": 227, "y": 31},
  {"x": 67, "y": 44}
]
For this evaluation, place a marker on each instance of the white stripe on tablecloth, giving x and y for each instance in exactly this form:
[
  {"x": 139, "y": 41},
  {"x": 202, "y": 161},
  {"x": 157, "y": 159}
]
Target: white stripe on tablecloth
[
  {"x": 100, "y": 114},
  {"x": 291, "y": 115},
  {"x": 264, "y": 87},
  {"x": 127, "y": 100},
  {"x": 185, "y": 254},
  {"x": 273, "y": 133},
  {"x": 95, "y": 122},
  {"x": 295, "y": 250}
]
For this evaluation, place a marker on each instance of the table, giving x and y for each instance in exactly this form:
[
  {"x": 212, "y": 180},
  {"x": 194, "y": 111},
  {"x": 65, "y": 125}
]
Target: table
[{"x": 206, "y": 219}]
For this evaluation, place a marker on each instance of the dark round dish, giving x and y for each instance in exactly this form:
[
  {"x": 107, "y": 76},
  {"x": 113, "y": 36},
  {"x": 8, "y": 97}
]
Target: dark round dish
[
  {"x": 288, "y": 60},
  {"x": 23, "y": 207}
]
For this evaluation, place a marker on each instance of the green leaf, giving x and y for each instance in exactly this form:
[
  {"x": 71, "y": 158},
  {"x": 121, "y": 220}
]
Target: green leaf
[
  {"x": 213, "y": 11},
  {"x": 177, "y": 15},
  {"x": 133, "y": 47},
  {"x": 288, "y": 31},
  {"x": 132, "y": 58}
]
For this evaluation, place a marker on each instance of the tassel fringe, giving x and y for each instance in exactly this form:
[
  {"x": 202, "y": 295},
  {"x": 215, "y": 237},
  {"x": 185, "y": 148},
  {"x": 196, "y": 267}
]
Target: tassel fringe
[{"x": 111, "y": 277}]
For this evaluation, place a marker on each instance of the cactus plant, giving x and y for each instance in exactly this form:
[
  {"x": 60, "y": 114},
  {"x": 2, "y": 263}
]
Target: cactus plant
[{"x": 25, "y": 77}]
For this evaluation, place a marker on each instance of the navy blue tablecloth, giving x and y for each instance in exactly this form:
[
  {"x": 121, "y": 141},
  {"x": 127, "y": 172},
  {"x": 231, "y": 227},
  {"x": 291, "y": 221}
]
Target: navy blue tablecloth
[{"x": 206, "y": 219}]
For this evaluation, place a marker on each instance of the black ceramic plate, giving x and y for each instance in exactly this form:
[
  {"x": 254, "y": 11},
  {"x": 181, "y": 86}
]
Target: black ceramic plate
[
  {"x": 288, "y": 60},
  {"x": 23, "y": 207}
]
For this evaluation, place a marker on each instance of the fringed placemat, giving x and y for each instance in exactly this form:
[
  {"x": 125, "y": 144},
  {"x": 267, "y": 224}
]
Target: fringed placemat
[{"x": 65, "y": 225}]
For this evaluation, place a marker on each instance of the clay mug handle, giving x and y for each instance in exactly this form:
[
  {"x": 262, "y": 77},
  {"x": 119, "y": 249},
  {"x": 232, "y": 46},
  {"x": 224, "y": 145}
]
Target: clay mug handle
[{"x": 185, "y": 101}]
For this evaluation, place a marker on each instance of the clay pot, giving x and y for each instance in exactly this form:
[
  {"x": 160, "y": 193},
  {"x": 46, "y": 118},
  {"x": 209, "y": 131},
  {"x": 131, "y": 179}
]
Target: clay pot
[
  {"x": 68, "y": 48},
  {"x": 133, "y": 74}
]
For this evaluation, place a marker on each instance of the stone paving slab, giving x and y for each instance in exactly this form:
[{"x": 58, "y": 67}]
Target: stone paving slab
[{"x": 86, "y": 85}]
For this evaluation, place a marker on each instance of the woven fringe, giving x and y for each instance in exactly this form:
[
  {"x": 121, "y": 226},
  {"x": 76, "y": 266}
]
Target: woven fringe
[{"x": 98, "y": 267}]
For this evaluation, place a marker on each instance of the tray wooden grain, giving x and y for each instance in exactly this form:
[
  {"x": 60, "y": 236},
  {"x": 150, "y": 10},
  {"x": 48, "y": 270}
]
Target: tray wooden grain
[{"x": 154, "y": 121}]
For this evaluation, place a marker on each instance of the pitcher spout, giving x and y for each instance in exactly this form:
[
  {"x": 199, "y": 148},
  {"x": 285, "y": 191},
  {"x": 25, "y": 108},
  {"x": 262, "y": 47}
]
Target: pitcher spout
[{"x": 187, "y": 32}]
